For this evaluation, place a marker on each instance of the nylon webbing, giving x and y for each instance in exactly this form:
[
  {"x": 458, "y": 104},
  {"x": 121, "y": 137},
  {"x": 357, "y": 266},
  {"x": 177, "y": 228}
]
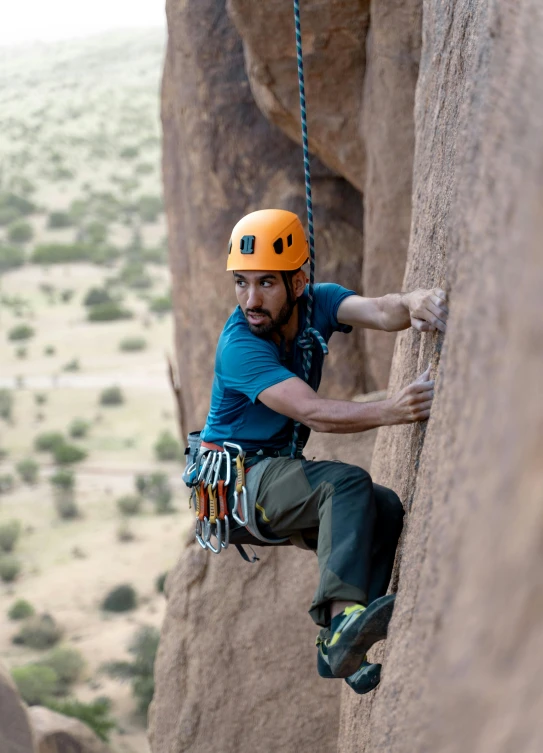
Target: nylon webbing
[{"x": 309, "y": 335}]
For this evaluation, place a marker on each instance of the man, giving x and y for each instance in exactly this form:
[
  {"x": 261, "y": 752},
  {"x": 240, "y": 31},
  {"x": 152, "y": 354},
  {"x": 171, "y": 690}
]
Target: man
[{"x": 259, "y": 392}]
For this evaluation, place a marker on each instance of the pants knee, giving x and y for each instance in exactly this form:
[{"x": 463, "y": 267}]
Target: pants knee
[{"x": 389, "y": 507}]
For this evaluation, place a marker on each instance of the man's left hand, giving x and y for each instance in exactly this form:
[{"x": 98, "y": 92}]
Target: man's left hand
[{"x": 428, "y": 310}]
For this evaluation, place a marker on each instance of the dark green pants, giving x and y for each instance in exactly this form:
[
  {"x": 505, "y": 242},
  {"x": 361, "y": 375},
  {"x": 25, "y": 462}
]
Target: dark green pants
[{"x": 356, "y": 525}]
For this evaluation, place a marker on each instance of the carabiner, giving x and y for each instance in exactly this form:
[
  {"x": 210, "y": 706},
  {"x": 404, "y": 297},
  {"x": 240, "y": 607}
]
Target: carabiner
[
  {"x": 198, "y": 532},
  {"x": 244, "y": 507},
  {"x": 218, "y": 536},
  {"x": 225, "y": 537},
  {"x": 204, "y": 467}
]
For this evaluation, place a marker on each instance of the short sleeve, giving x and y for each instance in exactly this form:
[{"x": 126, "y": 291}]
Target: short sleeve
[
  {"x": 250, "y": 366},
  {"x": 329, "y": 298}
]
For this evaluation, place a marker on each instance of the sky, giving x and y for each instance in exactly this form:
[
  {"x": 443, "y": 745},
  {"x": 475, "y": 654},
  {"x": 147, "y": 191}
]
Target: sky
[{"x": 24, "y": 21}]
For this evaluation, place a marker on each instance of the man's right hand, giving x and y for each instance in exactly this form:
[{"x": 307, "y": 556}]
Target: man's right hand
[{"x": 412, "y": 403}]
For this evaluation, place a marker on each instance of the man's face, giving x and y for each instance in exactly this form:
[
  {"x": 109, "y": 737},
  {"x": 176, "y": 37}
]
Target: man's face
[{"x": 263, "y": 299}]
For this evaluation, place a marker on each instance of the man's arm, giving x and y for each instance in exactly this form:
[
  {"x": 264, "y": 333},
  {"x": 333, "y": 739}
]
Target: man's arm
[
  {"x": 295, "y": 399},
  {"x": 425, "y": 310}
]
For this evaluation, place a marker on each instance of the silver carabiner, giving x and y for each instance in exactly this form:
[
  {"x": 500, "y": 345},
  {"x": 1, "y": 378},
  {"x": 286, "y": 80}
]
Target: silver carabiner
[
  {"x": 225, "y": 537},
  {"x": 218, "y": 536},
  {"x": 199, "y": 538},
  {"x": 211, "y": 466},
  {"x": 217, "y": 469},
  {"x": 204, "y": 467},
  {"x": 244, "y": 507}
]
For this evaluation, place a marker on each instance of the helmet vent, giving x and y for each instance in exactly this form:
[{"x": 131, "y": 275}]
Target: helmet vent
[
  {"x": 247, "y": 244},
  {"x": 289, "y": 239},
  {"x": 278, "y": 246},
  {"x": 230, "y": 246}
]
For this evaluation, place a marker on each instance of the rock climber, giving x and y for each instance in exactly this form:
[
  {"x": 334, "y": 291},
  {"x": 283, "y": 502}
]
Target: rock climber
[{"x": 259, "y": 392}]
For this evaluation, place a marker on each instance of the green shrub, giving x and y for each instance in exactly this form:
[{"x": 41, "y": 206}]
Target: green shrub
[
  {"x": 129, "y": 152},
  {"x": 7, "y": 482},
  {"x": 35, "y": 683},
  {"x": 79, "y": 428},
  {"x": 21, "y": 352},
  {"x": 131, "y": 344},
  {"x": 49, "y": 350},
  {"x": 140, "y": 671},
  {"x": 129, "y": 504},
  {"x": 47, "y": 441},
  {"x": 134, "y": 275},
  {"x": 66, "y": 295},
  {"x": 124, "y": 532},
  {"x": 28, "y": 470},
  {"x": 94, "y": 233},
  {"x": 144, "y": 168},
  {"x": 67, "y": 662},
  {"x": 161, "y": 304},
  {"x": 120, "y": 599},
  {"x": 10, "y": 567},
  {"x": 40, "y": 631},
  {"x": 6, "y": 404},
  {"x": 64, "y": 253},
  {"x": 72, "y": 365},
  {"x": 108, "y": 312},
  {"x": 65, "y": 504},
  {"x": 9, "y": 534},
  {"x": 156, "y": 488},
  {"x": 111, "y": 396},
  {"x": 21, "y": 332},
  {"x": 13, "y": 206},
  {"x": 40, "y": 398},
  {"x": 60, "y": 220},
  {"x": 167, "y": 447},
  {"x": 160, "y": 582},
  {"x": 95, "y": 714},
  {"x": 66, "y": 453},
  {"x": 149, "y": 207},
  {"x": 11, "y": 258},
  {"x": 20, "y": 232},
  {"x": 95, "y": 296},
  {"x": 63, "y": 479},
  {"x": 20, "y": 610}
]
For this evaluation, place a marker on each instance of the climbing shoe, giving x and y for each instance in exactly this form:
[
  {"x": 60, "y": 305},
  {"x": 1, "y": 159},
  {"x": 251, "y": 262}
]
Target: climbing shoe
[
  {"x": 363, "y": 681},
  {"x": 353, "y": 633}
]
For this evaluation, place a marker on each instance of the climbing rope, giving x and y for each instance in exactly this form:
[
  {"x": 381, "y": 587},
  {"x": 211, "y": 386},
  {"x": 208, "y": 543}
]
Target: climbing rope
[{"x": 310, "y": 335}]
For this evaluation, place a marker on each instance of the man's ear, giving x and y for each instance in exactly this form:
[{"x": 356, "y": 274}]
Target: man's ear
[{"x": 299, "y": 281}]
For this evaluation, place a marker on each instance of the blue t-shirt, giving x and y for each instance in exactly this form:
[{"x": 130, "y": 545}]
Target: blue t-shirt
[{"x": 246, "y": 364}]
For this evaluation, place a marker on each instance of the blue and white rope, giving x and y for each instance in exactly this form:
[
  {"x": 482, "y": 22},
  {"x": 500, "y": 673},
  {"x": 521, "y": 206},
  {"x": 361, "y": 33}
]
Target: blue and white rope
[{"x": 309, "y": 336}]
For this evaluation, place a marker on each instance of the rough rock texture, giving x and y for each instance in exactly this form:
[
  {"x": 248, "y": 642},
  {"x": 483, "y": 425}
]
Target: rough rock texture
[
  {"x": 463, "y": 662},
  {"x": 333, "y": 42},
  {"x": 56, "y": 733},
  {"x": 222, "y": 159},
  {"x": 236, "y": 668},
  {"x": 15, "y": 731},
  {"x": 393, "y": 51}
]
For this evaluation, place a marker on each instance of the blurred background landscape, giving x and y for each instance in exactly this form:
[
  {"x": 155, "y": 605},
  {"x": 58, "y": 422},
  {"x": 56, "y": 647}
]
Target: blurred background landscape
[{"x": 92, "y": 511}]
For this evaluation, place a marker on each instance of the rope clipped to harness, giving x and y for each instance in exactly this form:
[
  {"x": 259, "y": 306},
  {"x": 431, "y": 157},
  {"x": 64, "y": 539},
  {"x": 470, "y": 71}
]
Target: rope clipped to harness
[{"x": 310, "y": 335}]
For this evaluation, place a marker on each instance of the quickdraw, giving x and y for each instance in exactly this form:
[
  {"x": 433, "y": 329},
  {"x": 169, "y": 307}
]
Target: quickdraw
[{"x": 210, "y": 495}]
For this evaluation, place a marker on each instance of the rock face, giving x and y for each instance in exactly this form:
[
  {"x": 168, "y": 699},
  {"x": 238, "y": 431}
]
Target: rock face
[
  {"x": 56, "y": 733},
  {"x": 222, "y": 159},
  {"x": 236, "y": 667},
  {"x": 15, "y": 730},
  {"x": 463, "y": 661}
]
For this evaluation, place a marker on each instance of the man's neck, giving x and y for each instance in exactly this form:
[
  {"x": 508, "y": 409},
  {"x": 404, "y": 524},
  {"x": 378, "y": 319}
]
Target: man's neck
[{"x": 289, "y": 331}]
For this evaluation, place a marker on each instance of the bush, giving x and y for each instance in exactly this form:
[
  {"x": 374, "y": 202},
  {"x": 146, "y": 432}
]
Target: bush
[
  {"x": 139, "y": 671},
  {"x": 20, "y": 232},
  {"x": 131, "y": 344},
  {"x": 121, "y": 599},
  {"x": 108, "y": 312},
  {"x": 21, "y": 352},
  {"x": 20, "y": 610},
  {"x": 144, "y": 168},
  {"x": 160, "y": 582},
  {"x": 134, "y": 275},
  {"x": 167, "y": 447},
  {"x": 49, "y": 350},
  {"x": 35, "y": 683},
  {"x": 94, "y": 233},
  {"x": 64, "y": 253},
  {"x": 124, "y": 532},
  {"x": 21, "y": 332},
  {"x": 111, "y": 396},
  {"x": 66, "y": 454},
  {"x": 72, "y": 365},
  {"x": 11, "y": 258},
  {"x": 129, "y": 152},
  {"x": 6, "y": 404},
  {"x": 95, "y": 296},
  {"x": 40, "y": 631},
  {"x": 13, "y": 206},
  {"x": 156, "y": 487},
  {"x": 79, "y": 428},
  {"x": 63, "y": 479},
  {"x": 130, "y": 504},
  {"x": 10, "y": 567},
  {"x": 66, "y": 505},
  {"x": 60, "y": 220},
  {"x": 161, "y": 304},
  {"x": 28, "y": 470},
  {"x": 40, "y": 398},
  {"x": 6, "y": 483},
  {"x": 95, "y": 714},
  {"x": 47, "y": 441},
  {"x": 66, "y": 295},
  {"x": 67, "y": 662},
  {"x": 9, "y": 533},
  {"x": 149, "y": 207}
]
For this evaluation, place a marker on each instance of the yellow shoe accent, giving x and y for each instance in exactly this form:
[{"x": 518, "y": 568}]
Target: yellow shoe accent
[{"x": 355, "y": 608}]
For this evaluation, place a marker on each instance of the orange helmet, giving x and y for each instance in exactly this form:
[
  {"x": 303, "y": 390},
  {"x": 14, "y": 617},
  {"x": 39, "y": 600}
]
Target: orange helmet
[{"x": 269, "y": 239}]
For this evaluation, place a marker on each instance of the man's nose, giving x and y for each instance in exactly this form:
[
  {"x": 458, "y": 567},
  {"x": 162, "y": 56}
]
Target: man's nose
[{"x": 254, "y": 299}]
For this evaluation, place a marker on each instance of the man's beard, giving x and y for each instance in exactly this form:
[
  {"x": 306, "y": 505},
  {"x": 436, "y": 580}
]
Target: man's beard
[{"x": 272, "y": 325}]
